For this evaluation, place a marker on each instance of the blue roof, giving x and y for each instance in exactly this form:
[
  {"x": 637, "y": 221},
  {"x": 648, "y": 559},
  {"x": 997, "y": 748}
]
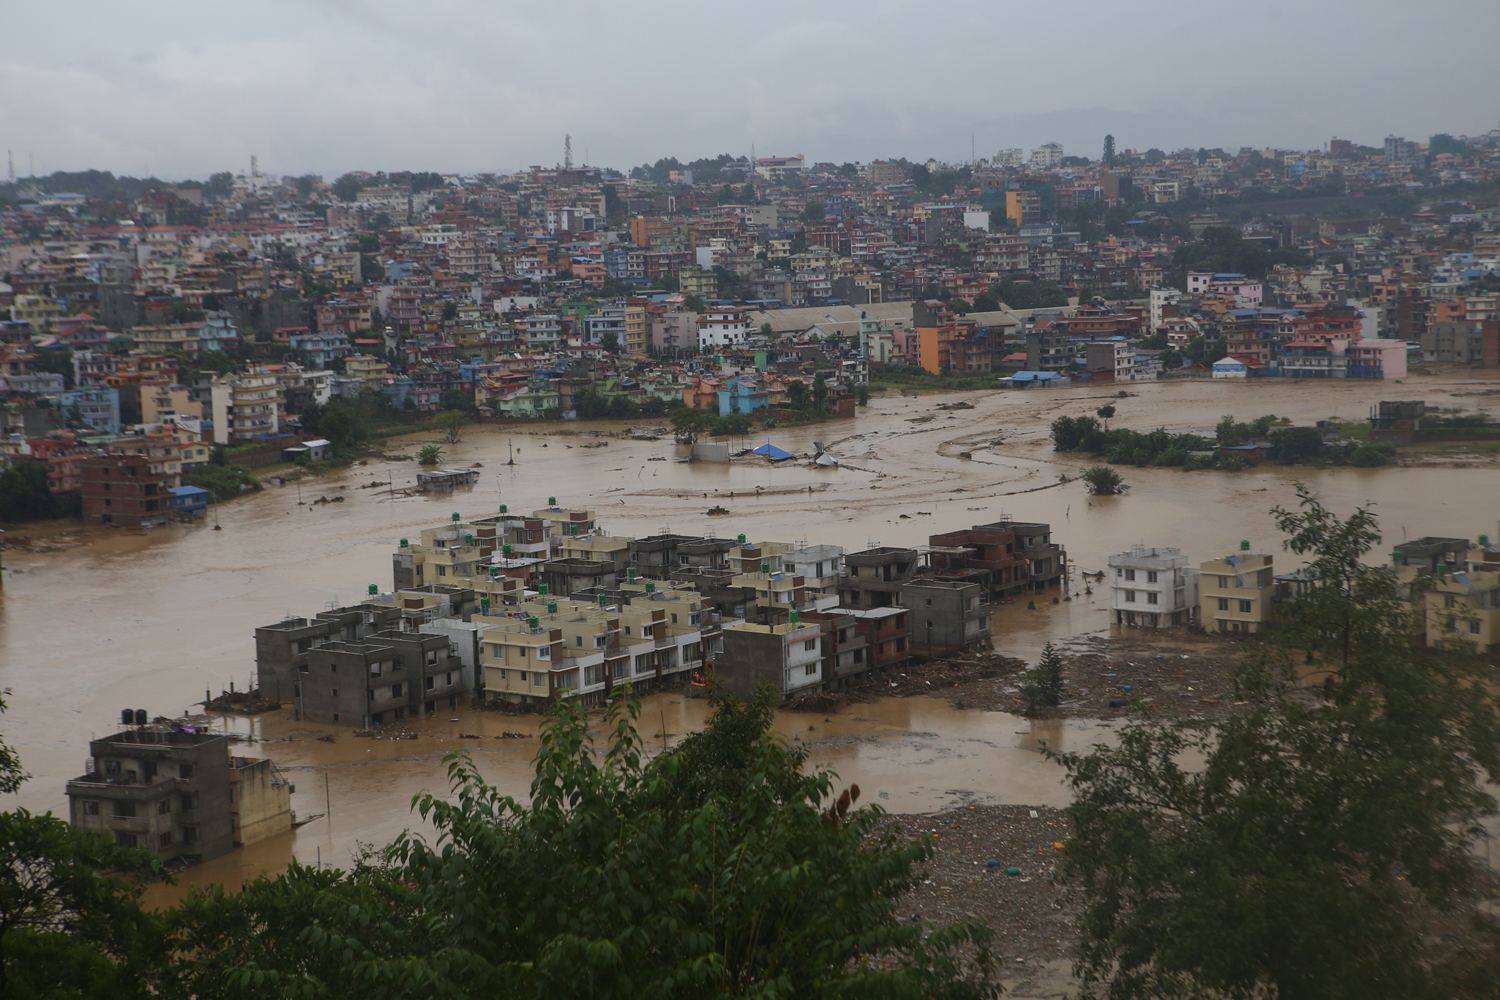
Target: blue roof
[
  {"x": 1035, "y": 376},
  {"x": 772, "y": 452},
  {"x": 188, "y": 491}
]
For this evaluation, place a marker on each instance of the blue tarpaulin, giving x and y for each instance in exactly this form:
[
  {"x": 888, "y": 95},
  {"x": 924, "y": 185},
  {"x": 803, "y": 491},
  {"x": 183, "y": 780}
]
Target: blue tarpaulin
[{"x": 772, "y": 452}]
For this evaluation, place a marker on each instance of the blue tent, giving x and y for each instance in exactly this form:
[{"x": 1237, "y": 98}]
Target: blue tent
[{"x": 772, "y": 452}]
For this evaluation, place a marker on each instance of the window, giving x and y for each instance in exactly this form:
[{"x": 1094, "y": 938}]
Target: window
[
  {"x": 928, "y": 602},
  {"x": 859, "y": 656},
  {"x": 1151, "y": 576},
  {"x": 375, "y": 669},
  {"x": 810, "y": 644},
  {"x": 521, "y": 676},
  {"x": 1130, "y": 574},
  {"x": 812, "y": 670},
  {"x": 190, "y": 834},
  {"x": 188, "y": 801},
  {"x": 395, "y": 690},
  {"x": 303, "y": 645},
  {"x": 1152, "y": 597},
  {"x": 90, "y": 808},
  {"x": 124, "y": 809},
  {"x": 432, "y": 657},
  {"x": 1246, "y": 607},
  {"x": 1449, "y": 601},
  {"x": 674, "y": 618},
  {"x": 335, "y": 692},
  {"x": 1223, "y": 603},
  {"x": 164, "y": 807},
  {"x": 185, "y": 771},
  {"x": 1223, "y": 583},
  {"x": 123, "y": 839},
  {"x": 448, "y": 678},
  {"x": 578, "y": 640},
  {"x": 1473, "y": 626},
  {"x": 1129, "y": 597},
  {"x": 430, "y": 682},
  {"x": 112, "y": 768},
  {"x": 165, "y": 839},
  {"x": 539, "y": 679},
  {"x": 929, "y": 624},
  {"x": 335, "y": 716}
]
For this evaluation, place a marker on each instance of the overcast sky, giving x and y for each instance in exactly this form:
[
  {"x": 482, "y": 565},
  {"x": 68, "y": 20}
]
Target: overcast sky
[{"x": 325, "y": 86}]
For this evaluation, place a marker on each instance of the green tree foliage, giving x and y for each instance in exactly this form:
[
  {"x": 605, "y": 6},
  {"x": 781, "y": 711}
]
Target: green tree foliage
[
  {"x": 347, "y": 187},
  {"x": 342, "y": 425},
  {"x": 1221, "y": 249},
  {"x": 1031, "y": 294},
  {"x": 450, "y": 312},
  {"x": 692, "y": 303},
  {"x": 1372, "y": 456},
  {"x": 183, "y": 312},
  {"x": 457, "y": 399},
  {"x": 1171, "y": 359},
  {"x": 689, "y": 424},
  {"x": 813, "y": 212},
  {"x": 1304, "y": 845},
  {"x": 370, "y": 268},
  {"x": 819, "y": 393},
  {"x": 25, "y": 495},
  {"x": 718, "y": 868},
  {"x": 1042, "y": 685},
  {"x": 862, "y": 395},
  {"x": 732, "y": 425},
  {"x": 430, "y": 454},
  {"x": 1106, "y": 411},
  {"x": 1296, "y": 444},
  {"x": 451, "y": 423},
  {"x": 796, "y": 394},
  {"x": 660, "y": 407},
  {"x": 1228, "y": 432},
  {"x": 11, "y": 774},
  {"x": 71, "y": 923},
  {"x": 223, "y": 482},
  {"x": 594, "y": 405},
  {"x": 1104, "y": 481},
  {"x": 55, "y": 362},
  {"x": 610, "y": 342}
]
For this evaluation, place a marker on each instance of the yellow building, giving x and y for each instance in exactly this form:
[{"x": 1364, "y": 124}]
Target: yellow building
[
  {"x": 517, "y": 657},
  {"x": 603, "y": 548},
  {"x": 1235, "y": 593},
  {"x": 1463, "y": 609},
  {"x": 260, "y": 800},
  {"x": 363, "y": 366},
  {"x": 635, "y": 328}
]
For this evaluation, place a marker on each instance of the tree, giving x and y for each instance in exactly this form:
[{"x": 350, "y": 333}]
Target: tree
[
  {"x": 450, "y": 311},
  {"x": 813, "y": 212},
  {"x": 1370, "y": 456},
  {"x": 732, "y": 425},
  {"x": 1296, "y": 444},
  {"x": 820, "y": 393},
  {"x": 1042, "y": 685},
  {"x": 12, "y": 776},
  {"x": 341, "y": 425},
  {"x": 347, "y": 187},
  {"x": 1171, "y": 359},
  {"x": 430, "y": 454},
  {"x": 25, "y": 494},
  {"x": 796, "y": 394},
  {"x": 1103, "y": 481},
  {"x": 610, "y": 341},
  {"x": 451, "y": 423},
  {"x": 692, "y": 303},
  {"x": 1105, "y": 412},
  {"x": 862, "y": 395},
  {"x": 1071, "y": 433},
  {"x": 1305, "y": 844},
  {"x": 370, "y": 268},
  {"x": 1109, "y": 150},
  {"x": 690, "y": 423},
  {"x": 457, "y": 399}
]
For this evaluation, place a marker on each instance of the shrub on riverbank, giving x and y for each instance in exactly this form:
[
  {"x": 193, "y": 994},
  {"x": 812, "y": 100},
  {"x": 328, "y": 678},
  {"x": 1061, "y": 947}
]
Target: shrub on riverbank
[{"x": 223, "y": 482}]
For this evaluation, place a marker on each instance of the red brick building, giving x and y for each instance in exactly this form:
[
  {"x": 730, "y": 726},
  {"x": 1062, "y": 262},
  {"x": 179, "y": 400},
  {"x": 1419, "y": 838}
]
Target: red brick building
[{"x": 133, "y": 490}]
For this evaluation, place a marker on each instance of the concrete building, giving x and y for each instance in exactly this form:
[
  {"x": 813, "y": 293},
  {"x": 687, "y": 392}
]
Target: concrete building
[
  {"x": 1463, "y": 610},
  {"x": 873, "y": 578},
  {"x": 946, "y": 616},
  {"x": 789, "y": 655},
  {"x": 260, "y": 800},
  {"x": 158, "y": 788},
  {"x": 383, "y": 678},
  {"x": 1152, "y": 586},
  {"x": 282, "y": 650},
  {"x": 887, "y": 643},
  {"x": 820, "y": 567},
  {"x": 1236, "y": 592},
  {"x": 984, "y": 554},
  {"x": 1432, "y": 552},
  {"x": 130, "y": 490},
  {"x": 246, "y": 406},
  {"x": 846, "y": 647},
  {"x": 1049, "y": 349},
  {"x": 1046, "y": 560}
]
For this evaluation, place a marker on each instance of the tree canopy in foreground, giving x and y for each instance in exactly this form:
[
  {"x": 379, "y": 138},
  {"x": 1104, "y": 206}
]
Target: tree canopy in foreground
[{"x": 1310, "y": 844}]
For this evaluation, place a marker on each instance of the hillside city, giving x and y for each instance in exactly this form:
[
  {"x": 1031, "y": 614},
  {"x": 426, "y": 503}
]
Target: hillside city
[{"x": 166, "y": 318}]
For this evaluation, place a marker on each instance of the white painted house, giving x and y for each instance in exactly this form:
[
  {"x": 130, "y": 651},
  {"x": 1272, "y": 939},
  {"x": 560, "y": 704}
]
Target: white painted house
[{"x": 1153, "y": 587}]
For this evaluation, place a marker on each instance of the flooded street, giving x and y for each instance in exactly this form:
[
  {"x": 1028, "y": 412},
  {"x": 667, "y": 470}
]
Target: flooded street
[{"x": 151, "y": 621}]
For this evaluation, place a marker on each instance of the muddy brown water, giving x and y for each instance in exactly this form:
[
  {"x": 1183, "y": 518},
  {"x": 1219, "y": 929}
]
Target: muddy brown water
[{"x": 152, "y": 620}]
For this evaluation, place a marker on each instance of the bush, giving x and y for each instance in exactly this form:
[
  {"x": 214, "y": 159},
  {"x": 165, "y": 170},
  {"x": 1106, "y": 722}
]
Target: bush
[
  {"x": 1102, "y": 481},
  {"x": 1369, "y": 456},
  {"x": 223, "y": 482},
  {"x": 1042, "y": 685},
  {"x": 430, "y": 454},
  {"x": 1231, "y": 462}
]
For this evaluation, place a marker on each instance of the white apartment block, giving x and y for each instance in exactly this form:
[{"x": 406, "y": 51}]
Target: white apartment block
[{"x": 1152, "y": 587}]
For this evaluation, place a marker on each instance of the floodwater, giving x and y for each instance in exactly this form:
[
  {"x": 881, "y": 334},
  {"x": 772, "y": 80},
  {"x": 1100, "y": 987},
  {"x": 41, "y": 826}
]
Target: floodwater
[{"x": 153, "y": 620}]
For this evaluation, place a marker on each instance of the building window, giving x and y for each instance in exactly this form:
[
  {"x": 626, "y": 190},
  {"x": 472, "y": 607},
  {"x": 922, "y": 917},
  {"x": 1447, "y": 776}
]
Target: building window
[
  {"x": 1473, "y": 626},
  {"x": 1152, "y": 597},
  {"x": 1129, "y": 597},
  {"x": 164, "y": 807},
  {"x": 395, "y": 690},
  {"x": 810, "y": 644},
  {"x": 1449, "y": 601},
  {"x": 165, "y": 839},
  {"x": 1151, "y": 576},
  {"x": 430, "y": 682},
  {"x": 90, "y": 807},
  {"x": 1130, "y": 574},
  {"x": 1246, "y": 607},
  {"x": 335, "y": 692},
  {"x": 1223, "y": 583},
  {"x": 1223, "y": 603},
  {"x": 124, "y": 809},
  {"x": 432, "y": 657},
  {"x": 539, "y": 679},
  {"x": 189, "y": 801},
  {"x": 928, "y": 602},
  {"x": 123, "y": 839}
]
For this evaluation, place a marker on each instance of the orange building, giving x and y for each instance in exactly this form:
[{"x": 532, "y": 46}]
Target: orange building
[{"x": 952, "y": 348}]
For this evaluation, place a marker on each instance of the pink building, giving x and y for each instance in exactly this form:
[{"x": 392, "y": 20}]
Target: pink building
[{"x": 1385, "y": 359}]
